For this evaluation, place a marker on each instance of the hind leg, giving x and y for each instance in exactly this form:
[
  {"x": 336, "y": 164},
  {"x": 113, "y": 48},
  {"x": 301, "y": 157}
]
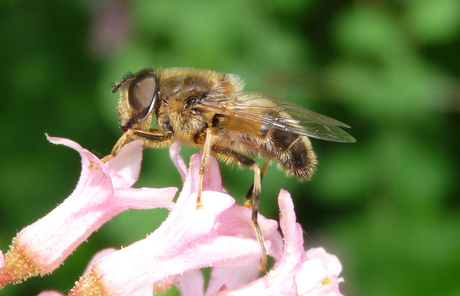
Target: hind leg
[
  {"x": 249, "y": 194},
  {"x": 254, "y": 192}
]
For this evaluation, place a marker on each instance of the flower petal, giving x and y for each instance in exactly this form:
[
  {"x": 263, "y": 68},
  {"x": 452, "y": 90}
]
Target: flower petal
[
  {"x": 97, "y": 256},
  {"x": 191, "y": 283},
  {"x": 310, "y": 275},
  {"x": 145, "y": 198},
  {"x": 126, "y": 166},
  {"x": 174, "y": 153},
  {"x": 211, "y": 180},
  {"x": 50, "y": 293},
  {"x": 293, "y": 252},
  {"x": 319, "y": 274},
  {"x": 330, "y": 262},
  {"x": 230, "y": 277}
]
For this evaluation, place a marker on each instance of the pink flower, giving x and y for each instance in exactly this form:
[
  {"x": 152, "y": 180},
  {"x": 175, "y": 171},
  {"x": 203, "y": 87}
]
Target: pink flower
[
  {"x": 220, "y": 234},
  {"x": 102, "y": 192}
]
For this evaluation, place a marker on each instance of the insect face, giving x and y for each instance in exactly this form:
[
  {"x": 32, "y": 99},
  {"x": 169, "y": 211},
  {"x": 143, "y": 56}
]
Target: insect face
[{"x": 138, "y": 99}]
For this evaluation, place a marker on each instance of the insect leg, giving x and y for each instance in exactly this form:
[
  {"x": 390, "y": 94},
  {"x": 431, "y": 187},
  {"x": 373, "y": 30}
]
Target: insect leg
[
  {"x": 248, "y": 196},
  {"x": 151, "y": 138},
  {"x": 204, "y": 163},
  {"x": 255, "y": 213},
  {"x": 255, "y": 192}
]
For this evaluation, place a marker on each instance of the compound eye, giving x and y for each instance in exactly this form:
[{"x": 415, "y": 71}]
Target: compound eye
[{"x": 142, "y": 95}]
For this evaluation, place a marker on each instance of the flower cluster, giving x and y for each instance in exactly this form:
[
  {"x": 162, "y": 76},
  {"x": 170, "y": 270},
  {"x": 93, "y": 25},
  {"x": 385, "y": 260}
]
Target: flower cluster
[{"x": 219, "y": 235}]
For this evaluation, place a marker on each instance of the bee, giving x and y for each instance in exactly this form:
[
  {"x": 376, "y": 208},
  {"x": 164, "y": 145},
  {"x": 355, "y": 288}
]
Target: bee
[{"x": 210, "y": 111}]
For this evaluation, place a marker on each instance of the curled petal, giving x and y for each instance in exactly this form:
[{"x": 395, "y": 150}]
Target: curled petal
[
  {"x": 178, "y": 160},
  {"x": 125, "y": 168},
  {"x": 293, "y": 252}
]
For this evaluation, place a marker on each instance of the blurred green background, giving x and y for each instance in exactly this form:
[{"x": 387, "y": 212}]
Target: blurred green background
[{"x": 388, "y": 206}]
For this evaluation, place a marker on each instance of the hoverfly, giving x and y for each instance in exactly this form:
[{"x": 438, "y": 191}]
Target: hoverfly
[{"x": 210, "y": 111}]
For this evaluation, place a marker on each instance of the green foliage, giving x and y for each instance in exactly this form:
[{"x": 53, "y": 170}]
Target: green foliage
[{"x": 388, "y": 205}]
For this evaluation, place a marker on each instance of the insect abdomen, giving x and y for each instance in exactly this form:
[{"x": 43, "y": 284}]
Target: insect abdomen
[{"x": 294, "y": 153}]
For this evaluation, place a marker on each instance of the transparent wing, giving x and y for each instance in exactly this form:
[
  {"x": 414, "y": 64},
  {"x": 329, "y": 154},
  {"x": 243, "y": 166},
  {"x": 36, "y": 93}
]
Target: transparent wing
[{"x": 283, "y": 115}]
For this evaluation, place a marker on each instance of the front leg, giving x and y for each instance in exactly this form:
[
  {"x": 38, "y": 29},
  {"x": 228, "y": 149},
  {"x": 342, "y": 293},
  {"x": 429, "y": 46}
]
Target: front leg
[
  {"x": 152, "y": 138},
  {"x": 204, "y": 163}
]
